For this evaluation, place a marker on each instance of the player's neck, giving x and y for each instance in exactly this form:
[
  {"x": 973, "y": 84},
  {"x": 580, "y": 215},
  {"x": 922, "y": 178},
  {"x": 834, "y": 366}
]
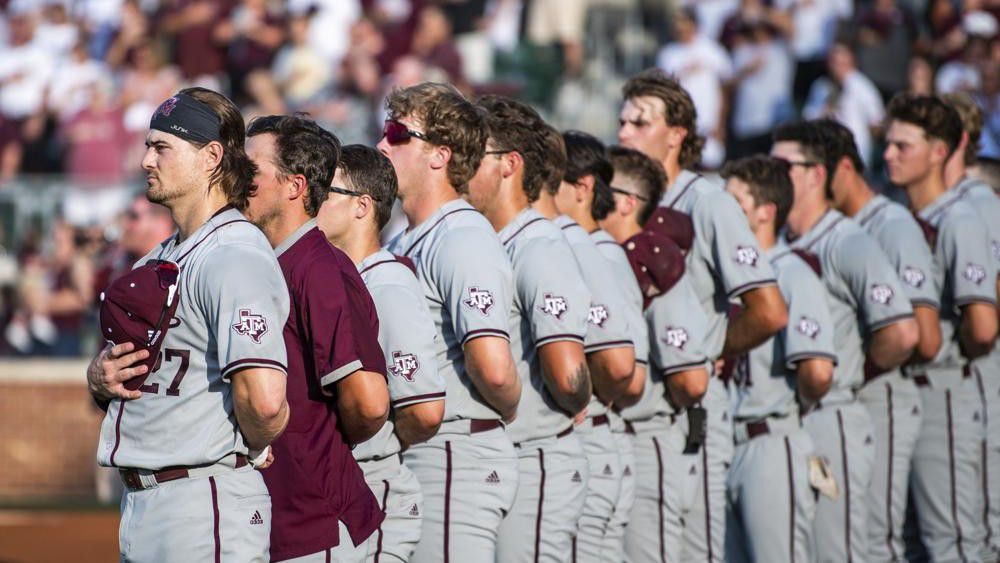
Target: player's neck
[
  {"x": 508, "y": 204},
  {"x": 955, "y": 170},
  {"x": 802, "y": 218},
  {"x": 672, "y": 166},
  {"x": 766, "y": 235},
  {"x": 358, "y": 245},
  {"x": 584, "y": 219},
  {"x": 858, "y": 196},
  {"x": 191, "y": 213},
  {"x": 419, "y": 205},
  {"x": 281, "y": 227},
  {"x": 546, "y": 205},
  {"x": 925, "y": 191},
  {"x": 623, "y": 230}
]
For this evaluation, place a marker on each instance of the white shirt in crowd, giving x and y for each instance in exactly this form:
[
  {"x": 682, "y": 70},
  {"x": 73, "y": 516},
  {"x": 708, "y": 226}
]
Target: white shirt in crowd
[
  {"x": 763, "y": 97},
  {"x": 815, "y": 23},
  {"x": 858, "y": 105},
  {"x": 24, "y": 71},
  {"x": 712, "y": 14}
]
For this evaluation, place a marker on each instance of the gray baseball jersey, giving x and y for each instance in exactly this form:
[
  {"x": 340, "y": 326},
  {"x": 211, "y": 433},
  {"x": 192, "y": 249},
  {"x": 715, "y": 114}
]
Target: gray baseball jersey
[
  {"x": 987, "y": 204},
  {"x": 607, "y": 322},
  {"x": 407, "y": 336},
  {"x": 864, "y": 293},
  {"x": 723, "y": 263},
  {"x": 948, "y": 459},
  {"x": 622, "y": 270},
  {"x": 233, "y": 306},
  {"x": 551, "y": 304},
  {"x": 467, "y": 281},
  {"x": 765, "y": 379},
  {"x": 893, "y": 401}
]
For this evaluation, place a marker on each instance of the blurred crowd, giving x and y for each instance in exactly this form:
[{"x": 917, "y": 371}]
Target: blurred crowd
[{"x": 79, "y": 80}]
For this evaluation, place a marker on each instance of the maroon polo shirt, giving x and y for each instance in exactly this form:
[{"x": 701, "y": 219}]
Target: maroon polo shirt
[{"x": 332, "y": 330}]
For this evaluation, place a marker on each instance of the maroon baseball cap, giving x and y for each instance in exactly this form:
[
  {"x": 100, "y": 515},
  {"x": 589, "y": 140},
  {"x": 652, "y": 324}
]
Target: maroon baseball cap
[
  {"x": 138, "y": 308},
  {"x": 675, "y": 225},
  {"x": 657, "y": 262}
]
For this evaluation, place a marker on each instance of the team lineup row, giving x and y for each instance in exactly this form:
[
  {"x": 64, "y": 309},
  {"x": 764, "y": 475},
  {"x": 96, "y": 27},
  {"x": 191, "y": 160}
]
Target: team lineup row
[{"x": 573, "y": 352}]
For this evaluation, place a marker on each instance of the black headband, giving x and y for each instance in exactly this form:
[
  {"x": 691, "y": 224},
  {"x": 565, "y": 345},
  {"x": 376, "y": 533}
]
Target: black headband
[{"x": 187, "y": 118}]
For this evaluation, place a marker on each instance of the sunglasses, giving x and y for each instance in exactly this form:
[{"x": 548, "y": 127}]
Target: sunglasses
[
  {"x": 167, "y": 272},
  {"x": 396, "y": 133},
  {"x": 626, "y": 192}
]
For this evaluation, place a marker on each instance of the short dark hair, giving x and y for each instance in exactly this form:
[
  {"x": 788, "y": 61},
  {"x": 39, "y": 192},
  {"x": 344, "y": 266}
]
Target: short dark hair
[
  {"x": 768, "y": 181},
  {"x": 449, "y": 120},
  {"x": 972, "y": 122},
  {"x": 650, "y": 177},
  {"x": 303, "y": 148},
  {"x": 370, "y": 172},
  {"x": 515, "y": 126},
  {"x": 587, "y": 156},
  {"x": 680, "y": 110},
  {"x": 938, "y": 119},
  {"x": 554, "y": 164},
  {"x": 838, "y": 144},
  {"x": 813, "y": 139},
  {"x": 236, "y": 171}
]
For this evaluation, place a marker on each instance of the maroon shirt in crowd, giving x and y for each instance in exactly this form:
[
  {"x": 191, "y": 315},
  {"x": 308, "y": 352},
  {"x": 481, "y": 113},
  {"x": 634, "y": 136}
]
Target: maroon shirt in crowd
[{"x": 332, "y": 331}]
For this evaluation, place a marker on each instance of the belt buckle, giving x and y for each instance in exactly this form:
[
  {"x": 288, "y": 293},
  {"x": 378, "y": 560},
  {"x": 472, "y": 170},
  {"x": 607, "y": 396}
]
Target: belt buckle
[{"x": 131, "y": 478}]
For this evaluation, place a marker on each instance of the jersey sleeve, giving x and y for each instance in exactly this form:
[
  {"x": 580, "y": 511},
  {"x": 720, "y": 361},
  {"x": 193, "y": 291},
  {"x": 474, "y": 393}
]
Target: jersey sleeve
[
  {"x": 970, "y": 268},
  {"x": 677, "y": 328},
  {"x": 739, "y": 262},
  {"x": 809, "y": 333},
  {"x": 247, "y": 303},
  {"x": 407, "y": 334},
  {"x": 909, "y": 253},
  {"x": 608, "y": 325},
  {"x": 342, "y": 323},
  {"x": 475, "y": 281},
  {"x": 550, "y": 288},
  {"x": 872, "y": 281}
]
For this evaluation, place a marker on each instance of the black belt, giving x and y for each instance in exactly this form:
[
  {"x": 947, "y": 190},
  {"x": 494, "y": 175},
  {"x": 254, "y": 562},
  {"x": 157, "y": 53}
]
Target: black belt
[
  {"x": 758, "y": 428},
  {"x": 562, "y": 434},
  {"x": 599, "y": 420},
  {"x": 131, "y": 477}
]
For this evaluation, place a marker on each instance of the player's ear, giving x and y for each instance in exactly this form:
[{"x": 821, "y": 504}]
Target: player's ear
[
  {"x": 364, "y": 205},
  {"x": 510, "y": 162},
  {"x": 583, "y": 189},
  {"x": 212, "y": 154},
  {"x": 676, "y": 135},
  {"x": 440, "y": 156},
  {"x": 296, "y": 186},
  {"x": 767, "y": 213}
]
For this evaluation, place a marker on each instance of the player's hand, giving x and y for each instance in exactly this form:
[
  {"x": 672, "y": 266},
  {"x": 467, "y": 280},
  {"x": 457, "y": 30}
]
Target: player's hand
[
  {"x": 111, "y": 368},
  {"x": 580, "y": 417}
]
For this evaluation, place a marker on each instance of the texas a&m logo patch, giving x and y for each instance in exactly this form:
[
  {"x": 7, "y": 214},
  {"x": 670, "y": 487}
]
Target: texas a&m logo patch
[
  {"x": 598, "y": 315},
  {"x": 167, "y": 107},
  {"x": 746, "y": 255},
  {"x": 480, "y": 300},
  {"x": 404, "y": 365},
  {"x": 881, "y": 293},
  {"x": 974, "y": 273},
  {"x": 676, "y": 337},
  {"x": 808, "y": 327},
  {"x": 554, "y": 305},
  {"x": 251, "y": 324},
  {"x": 914, "y": 277}
]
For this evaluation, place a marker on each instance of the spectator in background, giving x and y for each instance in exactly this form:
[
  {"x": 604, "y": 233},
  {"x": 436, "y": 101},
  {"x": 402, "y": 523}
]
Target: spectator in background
[
  {"x": 701, "y": 66},
  {"x": 77, "y": 74},
  {"x": 134, "y": 31},
  {"x": 712, "y": 15},
  {"x": 433, "y": 44},
  {"x": 988, "y": 99},
  {"x": 145, "y": 83},
  {"x": 56, "y": 33},
  {"x": 330, "y": 23},
  {"x": 962, "y": 74},
  {"x": 814, "y": 25},
  {"x": 300, "y": 72},
  {"x": 849, "y": 97},
  {"x": 885, "y": 32},
  {"x": 144, "y": 225},
  {"x": 253, "y": 31},
  {"x": 762, "y": 89},
  {"x": 96, "y": 140},
  {"x": 191, "y": 25},
  {"x": 920, "y": 76},
  {"x": 944, "y": 22},
  {"x": 752, "y": 12},
  {"x": 25, "y": 70}
]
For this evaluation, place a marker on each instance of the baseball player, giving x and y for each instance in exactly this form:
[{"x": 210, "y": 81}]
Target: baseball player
[
  {"x": 987, "y": 369},
  {"x": 947, "y": 464},
  {"x": 771, "y": 500},
  {"x": 359, "y": 205},
  {"x": 871, "y": 316},
  {"x": 892, "y": 400},
  {"x": 666, "y": 453},
  {"x": 658, "y": 119},
  {"x": 212, "y": 386},
  {"x": 609, "y": 339},
  {"x": 323, "y": 509},
  {"x": 468, "y": 472},
  {"x": 548, "y": 322}
]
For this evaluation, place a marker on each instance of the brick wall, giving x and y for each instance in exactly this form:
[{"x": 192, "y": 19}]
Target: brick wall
[{"x": 49, "y": 431}]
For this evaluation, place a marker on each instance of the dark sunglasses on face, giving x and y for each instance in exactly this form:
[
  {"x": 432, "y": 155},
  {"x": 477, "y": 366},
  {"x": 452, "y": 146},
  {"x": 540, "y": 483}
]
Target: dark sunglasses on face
[{"x": 396, "y": 133}]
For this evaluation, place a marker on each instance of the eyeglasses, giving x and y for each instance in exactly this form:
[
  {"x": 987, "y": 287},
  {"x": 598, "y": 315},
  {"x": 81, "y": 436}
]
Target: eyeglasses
[
  {"x": 396, "y": 133},
  {"x": 804, "y": 163},
  {"x": 626, "y": 192},
  {"x": 499, "y": 151},
  {"x": 345, "y": 191}
]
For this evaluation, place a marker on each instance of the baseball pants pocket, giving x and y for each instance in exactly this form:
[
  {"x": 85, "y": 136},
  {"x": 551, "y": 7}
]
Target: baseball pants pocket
[
  {"x": 401, "y": 499},
  {"x": 603, "y": 491}
]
